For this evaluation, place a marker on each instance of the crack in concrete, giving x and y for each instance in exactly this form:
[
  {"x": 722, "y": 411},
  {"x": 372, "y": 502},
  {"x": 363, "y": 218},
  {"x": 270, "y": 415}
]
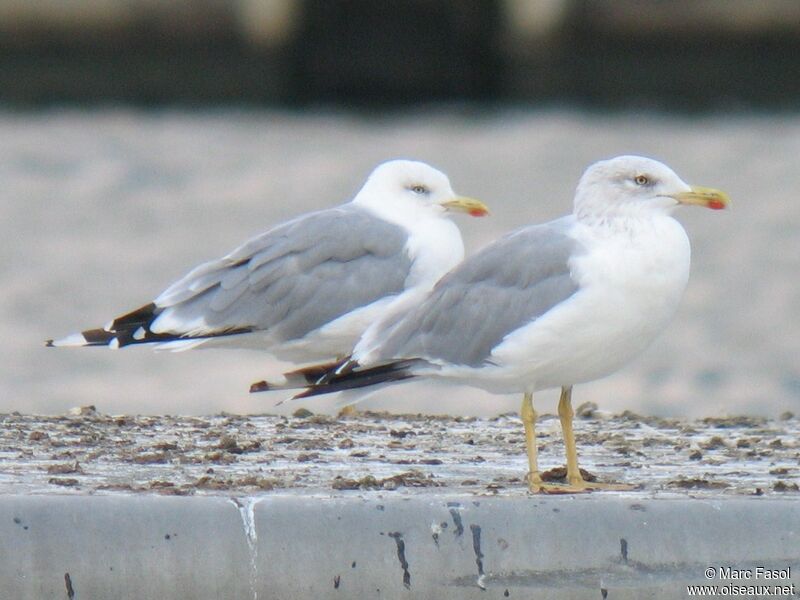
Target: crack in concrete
[
  {"x": 476, "y": 547},
  {"x": 246, "y": 508},
  {"x": 454, "y": 507},
  {"x": 70, "y": 589},
  {"x": 401, "y": 555}
]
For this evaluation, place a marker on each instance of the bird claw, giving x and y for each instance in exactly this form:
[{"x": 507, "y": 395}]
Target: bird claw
[
  {"x": 585, "y": 487},
  {"x": 537, "y": 486}
]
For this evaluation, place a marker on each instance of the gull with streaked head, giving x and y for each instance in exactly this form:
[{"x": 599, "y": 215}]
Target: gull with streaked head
[{"x": 546, "y": 306}]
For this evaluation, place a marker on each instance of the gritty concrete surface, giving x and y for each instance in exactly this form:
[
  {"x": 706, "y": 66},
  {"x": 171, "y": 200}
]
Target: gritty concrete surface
[
  {"x": 93, "y": 453},
  {"x": 387, "y": 506}
]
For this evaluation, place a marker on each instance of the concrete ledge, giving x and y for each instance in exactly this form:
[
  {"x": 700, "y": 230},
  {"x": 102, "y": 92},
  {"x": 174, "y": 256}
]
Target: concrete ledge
[
  {"x": 374, "y": 545},
  {"x": 239, "y": 455}
]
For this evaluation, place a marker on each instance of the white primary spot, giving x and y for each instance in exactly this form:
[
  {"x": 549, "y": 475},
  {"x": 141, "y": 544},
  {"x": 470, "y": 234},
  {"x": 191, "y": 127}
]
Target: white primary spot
[{"x": 76, "y": 339}]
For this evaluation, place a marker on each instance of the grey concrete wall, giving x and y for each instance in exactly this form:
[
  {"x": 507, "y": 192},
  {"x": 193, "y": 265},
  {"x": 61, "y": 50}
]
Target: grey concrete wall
[{"x": 369, "y": 546}]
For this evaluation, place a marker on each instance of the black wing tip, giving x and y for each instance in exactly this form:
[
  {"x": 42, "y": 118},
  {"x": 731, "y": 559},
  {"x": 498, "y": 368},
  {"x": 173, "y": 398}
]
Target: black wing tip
[
  {"x": 134, "y": 328},
  {"x": 259, "y": 386},
  {"x": 337, "y": 376},
  {"x": 315, "y": 376},
  {"x": 98, "y": 337},
  {"x": 144, "y": 315},
  {"x": 319, "y": 373},
  {"x": 350, "y": 378},
  {"x": 318, "y": 390}
]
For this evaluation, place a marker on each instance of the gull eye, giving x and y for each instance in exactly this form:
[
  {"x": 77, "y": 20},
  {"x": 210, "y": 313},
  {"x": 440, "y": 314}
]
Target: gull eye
[
  {"x": 642, "y": 180},
  {"x": 419, "y": 189}
]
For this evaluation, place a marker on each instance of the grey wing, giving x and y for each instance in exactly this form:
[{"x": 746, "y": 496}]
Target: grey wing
[
  {"x": 505, "y": 286},
  {"x": 293, "y": 278}
]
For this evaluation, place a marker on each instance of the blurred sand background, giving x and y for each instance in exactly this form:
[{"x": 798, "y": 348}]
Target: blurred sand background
[
  {"x": 140, "y": 138},
  {"x": 103, "y": 208}
]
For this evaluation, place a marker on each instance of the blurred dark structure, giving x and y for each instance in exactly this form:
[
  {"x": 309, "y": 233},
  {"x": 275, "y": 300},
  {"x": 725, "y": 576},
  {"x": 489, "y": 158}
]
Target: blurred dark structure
[
  {"x": 682, "y": 54},
  {"x": 397, "y": 51}
]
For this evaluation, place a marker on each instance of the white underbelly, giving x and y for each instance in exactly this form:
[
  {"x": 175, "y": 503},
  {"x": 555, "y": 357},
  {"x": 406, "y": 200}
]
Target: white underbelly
[
  {"x": 627, "y": 298},
  {"x": 333, "y": 340},
  {"x": 574, "y": 344},
  {"x": 588, "y": 338}
]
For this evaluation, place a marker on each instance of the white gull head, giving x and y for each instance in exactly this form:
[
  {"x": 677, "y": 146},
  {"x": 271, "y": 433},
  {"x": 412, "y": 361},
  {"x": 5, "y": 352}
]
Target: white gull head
[
  {"x": 629, "y": 186},
  {"x": 403, "y": 190}
]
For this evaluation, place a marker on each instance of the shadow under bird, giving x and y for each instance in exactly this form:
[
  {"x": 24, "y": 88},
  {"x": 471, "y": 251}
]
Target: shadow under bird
[
  {"x": 547, "y": 306},
  {"x": 307, "y": 289}
]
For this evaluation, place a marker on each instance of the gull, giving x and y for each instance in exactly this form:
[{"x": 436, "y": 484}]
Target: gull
[
  {"x": 308, "y": 288},
  {"x": 547, "y": 306}
]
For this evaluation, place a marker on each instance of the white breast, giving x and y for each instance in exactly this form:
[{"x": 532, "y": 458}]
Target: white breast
[
  {"x": 630, "y": 288},
  {"x": 435, "y": 246}
]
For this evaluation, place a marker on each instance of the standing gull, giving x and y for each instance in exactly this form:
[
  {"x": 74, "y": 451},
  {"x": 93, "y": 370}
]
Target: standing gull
[
  {"x": 546, "y": 306},
  {"x": 307, "y": 289}
]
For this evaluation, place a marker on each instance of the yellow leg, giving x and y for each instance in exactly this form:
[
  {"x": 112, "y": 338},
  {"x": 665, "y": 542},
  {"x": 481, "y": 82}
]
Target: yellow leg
[
  {"x": 349, "y": 410},
  {"x": 565, "y": 415},
  {"x": 575, "y": 481},
  {"x": 528, "y": 415}
]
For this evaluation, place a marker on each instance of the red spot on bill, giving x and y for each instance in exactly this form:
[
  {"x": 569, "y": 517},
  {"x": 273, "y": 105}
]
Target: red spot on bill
[{"x": 716, "y": 204}]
